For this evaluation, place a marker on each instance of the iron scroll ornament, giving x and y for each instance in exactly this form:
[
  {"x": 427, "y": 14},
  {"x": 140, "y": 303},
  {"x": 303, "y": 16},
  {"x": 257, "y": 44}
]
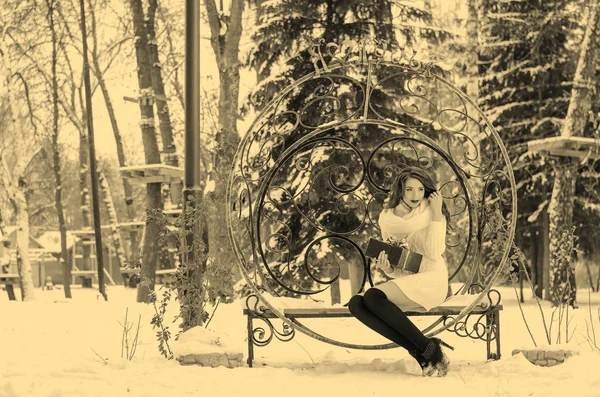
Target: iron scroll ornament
[
  {"x": 431, "y": 113},
  {"x": 305, "y": 147}
]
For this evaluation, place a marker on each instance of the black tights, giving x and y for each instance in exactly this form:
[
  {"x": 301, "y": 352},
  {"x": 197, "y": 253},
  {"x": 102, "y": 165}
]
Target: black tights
[{"x": 381, "y": 315}]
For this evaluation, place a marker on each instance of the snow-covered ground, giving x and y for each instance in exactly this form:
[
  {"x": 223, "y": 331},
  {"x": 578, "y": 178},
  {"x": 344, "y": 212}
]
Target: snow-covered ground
[{"x": 57, "y": 348}]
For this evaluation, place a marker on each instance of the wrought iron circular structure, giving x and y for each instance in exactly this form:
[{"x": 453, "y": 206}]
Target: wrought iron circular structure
[{"x": 311, "y": 174}]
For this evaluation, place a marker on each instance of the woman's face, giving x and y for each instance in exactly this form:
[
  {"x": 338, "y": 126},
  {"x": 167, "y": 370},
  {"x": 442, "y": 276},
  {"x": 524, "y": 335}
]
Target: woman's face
[{"x": 413, "y": 193}]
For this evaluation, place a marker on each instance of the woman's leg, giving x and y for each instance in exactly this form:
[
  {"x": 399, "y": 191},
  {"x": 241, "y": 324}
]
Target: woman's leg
[
  {"x": 377, "y": 303},
  {"x": 390, "y": 321},
  {"x": 357, "y": 307}
]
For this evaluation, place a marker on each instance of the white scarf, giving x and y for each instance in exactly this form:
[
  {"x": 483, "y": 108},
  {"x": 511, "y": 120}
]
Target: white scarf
[{"x": 399, "y": 227}]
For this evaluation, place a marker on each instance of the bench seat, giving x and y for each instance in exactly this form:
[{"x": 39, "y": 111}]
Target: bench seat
[
  {"x": 308, "y": 312},
  {"x": 488, "y": 332}
]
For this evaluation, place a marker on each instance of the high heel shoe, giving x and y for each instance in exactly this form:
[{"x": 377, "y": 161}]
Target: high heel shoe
[
  {"x": 426, "y": 368},
  {"x": 436, "y": 357}
]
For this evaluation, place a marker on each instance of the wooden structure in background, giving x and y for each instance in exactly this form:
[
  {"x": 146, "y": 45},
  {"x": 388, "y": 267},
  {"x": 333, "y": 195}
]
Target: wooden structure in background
[
  {"x": 38, "y": 255},
  {"x": 574, "y": 146},
  {"x": 87, "y": 237},
  {"x": 156, "y": 173}
]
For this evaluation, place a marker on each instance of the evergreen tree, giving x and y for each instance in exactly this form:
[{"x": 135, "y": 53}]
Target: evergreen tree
[
  {"x": 324, "y": 193},
  {"x": 528, "y": 55},
  {"x": 285, "y": 27},
  {"x": 524, "y": 62}
]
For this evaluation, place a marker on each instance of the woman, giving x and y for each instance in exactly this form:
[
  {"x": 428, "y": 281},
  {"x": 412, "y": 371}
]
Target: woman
[{"x": 416, "y": 213}]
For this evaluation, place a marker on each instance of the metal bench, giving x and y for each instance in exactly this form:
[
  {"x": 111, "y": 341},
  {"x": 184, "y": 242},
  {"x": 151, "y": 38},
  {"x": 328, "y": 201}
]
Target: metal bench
[
  {"x": 311, "y": 175},
  {"x": 485, "y": 327}
]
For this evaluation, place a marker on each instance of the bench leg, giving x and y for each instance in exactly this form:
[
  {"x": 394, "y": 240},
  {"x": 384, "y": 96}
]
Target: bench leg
[
  {"x": 488, "y": 335},
  {"x": 250, "y": 341},
  {"x": 492, "y": 327},
  {"x": 497, "y": 320}
]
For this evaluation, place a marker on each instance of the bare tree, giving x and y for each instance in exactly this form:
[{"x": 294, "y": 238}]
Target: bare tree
[
  {"x": 5, "y": 257},
  {"x": 153, "y": 190},
  {"x": 99, "y": 74},
  {"x": 226, "y": 31},
  {"x": 92, "y": 154},
  {"x": 15, "y": 188},
  {"x": 15, "y": 157},
  {"x": 62, "y": 227},
  {"x": 160, "y": 98}
]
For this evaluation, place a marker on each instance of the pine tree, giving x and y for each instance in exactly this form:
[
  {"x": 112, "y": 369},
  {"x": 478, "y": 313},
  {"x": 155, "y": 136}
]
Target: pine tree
[
  {"x": 285, "y": 27},
  {"x": 284, "y": 31},
  {"x": 528, "y": 56},
  {"x": 524, "y": 62}
]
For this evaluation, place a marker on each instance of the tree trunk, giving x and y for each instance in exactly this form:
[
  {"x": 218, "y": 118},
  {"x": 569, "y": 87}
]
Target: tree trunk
[
  {"x": 545, "y": 253},
  {"x": 16, "y": 194},
  {"x": 356, "y": 271},
  {"x": 336, "y": 293},
  {"x": 173, "y": 62},
  {"x": 226, "y": 49},
  {"x": 84, "y": 178},
  {"x": 162, "y": 106},
  {"x": 92, "y": 150},
  {"x": 175, "y": 77},
  {"x": 563, "y": 193},
  {"x": 65, "y": 258},
  {"x": 596, "y": 260},
  {"x": 472, "y": 51},
  {"x": 23, "y": 263},
  {"x": 540, "y": 251},
  {"x": 561, "y": 223},
  {"x": 62, "y": 227},
  {"x": 153, "y": 190},
  {"x": 133, "y": 235},
  {"x": 5, "y": 257},
  {"x": 112, "y": 218}
]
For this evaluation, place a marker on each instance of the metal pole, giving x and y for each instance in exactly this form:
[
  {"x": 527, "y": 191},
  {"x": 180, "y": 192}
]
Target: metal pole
[
  {"x": 192, "y": 96},
  {"x": 192, "y": 193},
  {"x": 195, "y": 235},
  {"x": 93, "y": 171}
]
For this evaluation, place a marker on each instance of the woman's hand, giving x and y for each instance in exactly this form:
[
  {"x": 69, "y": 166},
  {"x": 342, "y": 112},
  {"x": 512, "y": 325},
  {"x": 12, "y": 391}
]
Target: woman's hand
[
  {"x": 382, "y": 262},
  {"x": 435, "y": 202}
]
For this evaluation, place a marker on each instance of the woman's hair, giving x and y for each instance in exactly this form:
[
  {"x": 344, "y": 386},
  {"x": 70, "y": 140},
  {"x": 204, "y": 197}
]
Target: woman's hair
[{"x": 398, "y": 188}]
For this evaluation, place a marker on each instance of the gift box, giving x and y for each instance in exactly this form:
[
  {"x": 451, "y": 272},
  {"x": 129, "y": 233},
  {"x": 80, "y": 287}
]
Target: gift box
[{"x": 399, "y": 257}]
